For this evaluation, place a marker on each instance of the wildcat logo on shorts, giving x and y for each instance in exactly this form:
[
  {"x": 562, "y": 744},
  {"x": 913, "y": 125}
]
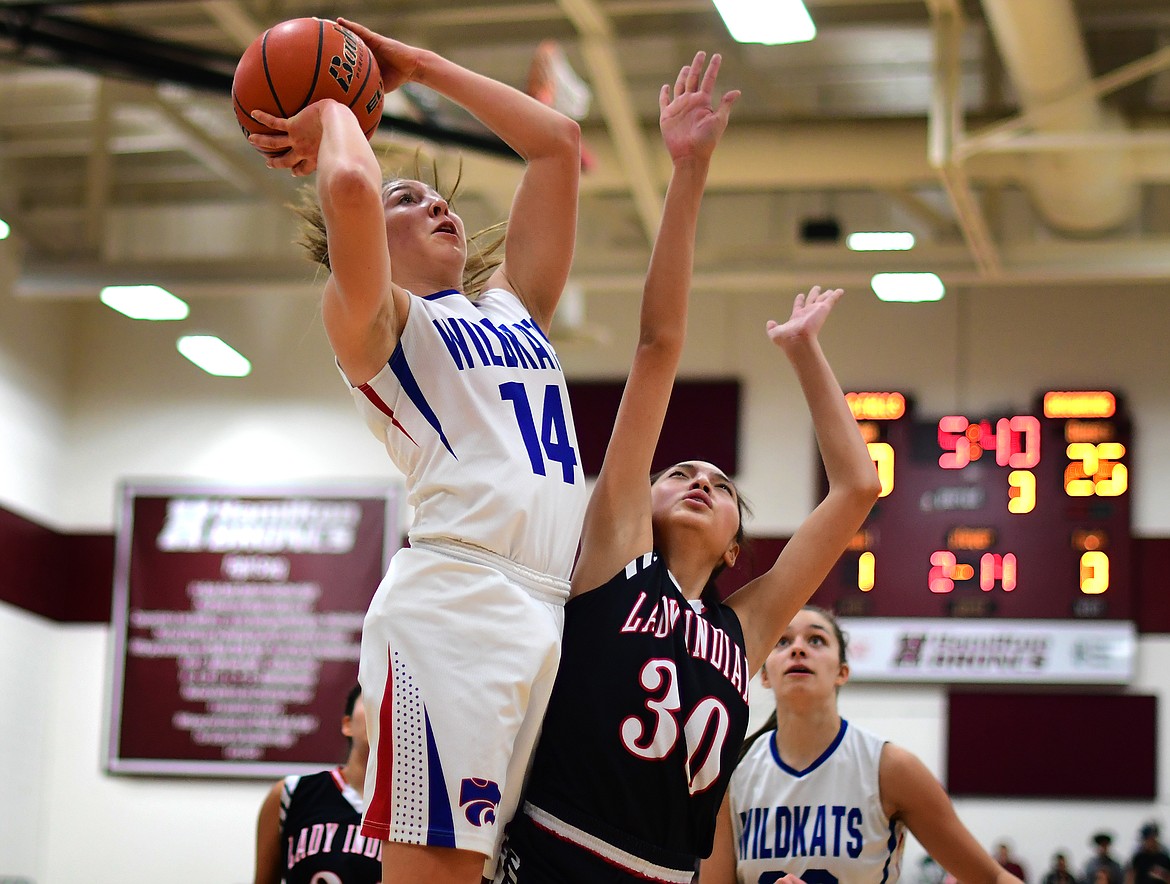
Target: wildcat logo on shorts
[{"x": 480, "y": 798}]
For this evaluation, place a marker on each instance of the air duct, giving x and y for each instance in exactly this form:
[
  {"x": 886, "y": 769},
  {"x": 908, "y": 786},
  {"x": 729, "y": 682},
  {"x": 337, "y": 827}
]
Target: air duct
[{"x": 1078, "y": 191}]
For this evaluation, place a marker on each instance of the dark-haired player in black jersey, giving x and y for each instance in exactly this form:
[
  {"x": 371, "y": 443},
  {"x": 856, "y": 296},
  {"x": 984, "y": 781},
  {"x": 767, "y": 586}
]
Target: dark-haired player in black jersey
[
  {"x": 309, "y": 831},
  {"x": 650, "y": 703}
]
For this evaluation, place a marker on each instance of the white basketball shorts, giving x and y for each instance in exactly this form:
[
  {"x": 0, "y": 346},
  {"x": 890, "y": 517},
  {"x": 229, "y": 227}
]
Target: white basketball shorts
[{"x": 460, "y": 649}]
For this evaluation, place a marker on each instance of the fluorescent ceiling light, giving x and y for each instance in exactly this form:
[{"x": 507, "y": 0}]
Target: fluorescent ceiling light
[
  {"x": 144, "y": 302},
  {"x": 767, "y": 21},
  {"x": 214, "y": 356},
  {"x": 880, "y": 241},
  {"x": 4, "y": 229},
  {"x": 907, "y": 287}
]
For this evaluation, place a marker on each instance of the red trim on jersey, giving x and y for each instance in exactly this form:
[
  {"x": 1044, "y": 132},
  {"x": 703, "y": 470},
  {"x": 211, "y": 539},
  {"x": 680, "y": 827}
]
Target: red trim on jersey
[
  {"x": 376, "y": 822},
  {"x": 379, "y": 404}
]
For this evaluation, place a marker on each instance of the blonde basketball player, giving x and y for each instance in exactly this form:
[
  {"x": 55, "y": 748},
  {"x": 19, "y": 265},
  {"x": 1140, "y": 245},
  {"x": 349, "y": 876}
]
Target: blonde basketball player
[{"x": 461, "y": 643}]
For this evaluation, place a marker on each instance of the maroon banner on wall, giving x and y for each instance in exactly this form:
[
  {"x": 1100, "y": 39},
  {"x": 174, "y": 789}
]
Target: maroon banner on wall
[{"x": 237, "y": 622}]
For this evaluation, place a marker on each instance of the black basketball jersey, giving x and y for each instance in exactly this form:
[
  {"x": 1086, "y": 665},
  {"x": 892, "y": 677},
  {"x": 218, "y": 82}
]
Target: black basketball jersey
[
  {"x": 320, "y": 829},
  {"x": 646, "y": 718}
]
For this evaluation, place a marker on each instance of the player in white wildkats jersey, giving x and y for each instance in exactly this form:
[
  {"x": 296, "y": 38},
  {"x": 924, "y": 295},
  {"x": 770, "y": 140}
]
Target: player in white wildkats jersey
[
  {"x": 819, "y": 799},
  {"x": 472, "y": 406},
  {"x": 469, "y": 386},
  {"x": 823, "y": 824},
  {"x": 461, "y": 642}
]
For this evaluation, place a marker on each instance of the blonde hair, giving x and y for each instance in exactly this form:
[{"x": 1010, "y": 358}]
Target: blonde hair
[{"x": 484, "y": 247}]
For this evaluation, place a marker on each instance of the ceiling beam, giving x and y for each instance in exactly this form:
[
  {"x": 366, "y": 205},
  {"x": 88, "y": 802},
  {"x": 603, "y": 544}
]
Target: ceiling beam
[
  {"x": 625, "y": 128},
  {"x": 249, "y": 177},
  {"x": 74, "y": 42},
  {"x": 1007, "y": 132},
  {"x": 942, "y": 224},
  {"x": 234, "y": 21},
  {"x": 98, "y": 168},
  {"x": 24, "y": 235},
  {"x": 945, "y": 121}
]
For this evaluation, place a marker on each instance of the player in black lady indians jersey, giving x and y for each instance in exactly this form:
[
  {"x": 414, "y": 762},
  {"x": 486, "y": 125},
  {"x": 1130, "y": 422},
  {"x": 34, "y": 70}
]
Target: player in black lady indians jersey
[
  {"x": 650, "y": 702},
  {"x": 320, "y": 832},
  {"x": 657, "y": 686},
  {"x": 309, "y": 831}
]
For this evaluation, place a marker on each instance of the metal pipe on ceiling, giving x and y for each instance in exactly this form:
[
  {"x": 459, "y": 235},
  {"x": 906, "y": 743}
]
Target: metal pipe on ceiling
[{"x": 1077, "y": 192}]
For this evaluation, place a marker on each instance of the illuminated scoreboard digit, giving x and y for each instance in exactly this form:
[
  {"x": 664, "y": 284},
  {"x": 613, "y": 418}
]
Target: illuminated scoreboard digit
[{"x": 1013, "y": 516}]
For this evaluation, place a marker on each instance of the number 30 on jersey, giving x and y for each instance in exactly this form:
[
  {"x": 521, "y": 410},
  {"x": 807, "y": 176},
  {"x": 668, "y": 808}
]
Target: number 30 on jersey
[{"x": 655, "y": 740}]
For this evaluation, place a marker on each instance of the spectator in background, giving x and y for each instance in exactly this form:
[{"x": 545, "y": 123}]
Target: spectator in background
[
  {"x": 1150, "y": 864},
  {"x": 1003, "y": 856},
  {"x": 1059, "y": 873},
  {"x": 1100, "y": 876},
  {"x": 1103, "y": 861}
]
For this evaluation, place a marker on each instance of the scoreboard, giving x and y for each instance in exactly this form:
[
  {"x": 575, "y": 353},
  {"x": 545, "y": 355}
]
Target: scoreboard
[{"x": 1007, "y": 516}]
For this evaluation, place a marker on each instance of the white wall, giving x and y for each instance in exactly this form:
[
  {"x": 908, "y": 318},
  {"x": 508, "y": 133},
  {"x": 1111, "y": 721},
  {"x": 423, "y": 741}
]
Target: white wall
[
  {"x": 136, "y": 408},
  {"x": 26, "y": 721},
  {"x": 104, "y": 830},
  {"x": 34, "y": 397},
  {"x": 142, "y": 411},
  {"x": 88, "y": 398}
]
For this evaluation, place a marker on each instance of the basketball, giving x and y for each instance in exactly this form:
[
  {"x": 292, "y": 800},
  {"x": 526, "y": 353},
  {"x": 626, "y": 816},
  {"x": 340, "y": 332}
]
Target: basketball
[{"x": 303, "y": 60}]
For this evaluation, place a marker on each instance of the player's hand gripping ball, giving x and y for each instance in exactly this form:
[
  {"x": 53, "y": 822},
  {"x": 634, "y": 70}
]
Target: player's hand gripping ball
[{"x": 300, "y": 61}]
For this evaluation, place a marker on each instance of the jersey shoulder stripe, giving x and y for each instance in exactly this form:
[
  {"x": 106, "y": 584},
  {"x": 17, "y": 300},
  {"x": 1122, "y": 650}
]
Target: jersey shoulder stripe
[
  {"x": 379, "y": 403},
  {"x": 640, "y": 564},
  {"x": 287, "y": 788},
  {"x": 402, "y": 370}
]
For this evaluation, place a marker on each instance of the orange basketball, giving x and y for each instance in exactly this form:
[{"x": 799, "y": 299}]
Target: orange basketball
[{"x": 303, "y": 60}]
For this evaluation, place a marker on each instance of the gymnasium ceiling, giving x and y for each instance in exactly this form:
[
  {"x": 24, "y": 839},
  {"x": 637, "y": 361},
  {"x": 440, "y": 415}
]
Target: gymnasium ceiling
[{"x": 1023, "y": 142}]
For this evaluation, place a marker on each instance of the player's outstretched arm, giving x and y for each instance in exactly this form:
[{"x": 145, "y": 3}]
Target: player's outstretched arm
[
  {"x": 617, "y": 522},
  {"x": 911, "y": 793},
  {"x": 268, "y": 865},
  {"x": 767, "y": 604},
  {"x": 542, "y": 223}
]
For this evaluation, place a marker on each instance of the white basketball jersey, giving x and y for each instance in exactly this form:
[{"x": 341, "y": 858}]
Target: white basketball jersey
[
  {"x": 824, "y": 824},
  {"x": 472, "y": 407}
]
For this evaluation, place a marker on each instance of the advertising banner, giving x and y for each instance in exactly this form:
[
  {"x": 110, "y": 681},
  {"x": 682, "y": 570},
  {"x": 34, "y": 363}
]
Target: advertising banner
[{"x": 991, "y": 651}]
